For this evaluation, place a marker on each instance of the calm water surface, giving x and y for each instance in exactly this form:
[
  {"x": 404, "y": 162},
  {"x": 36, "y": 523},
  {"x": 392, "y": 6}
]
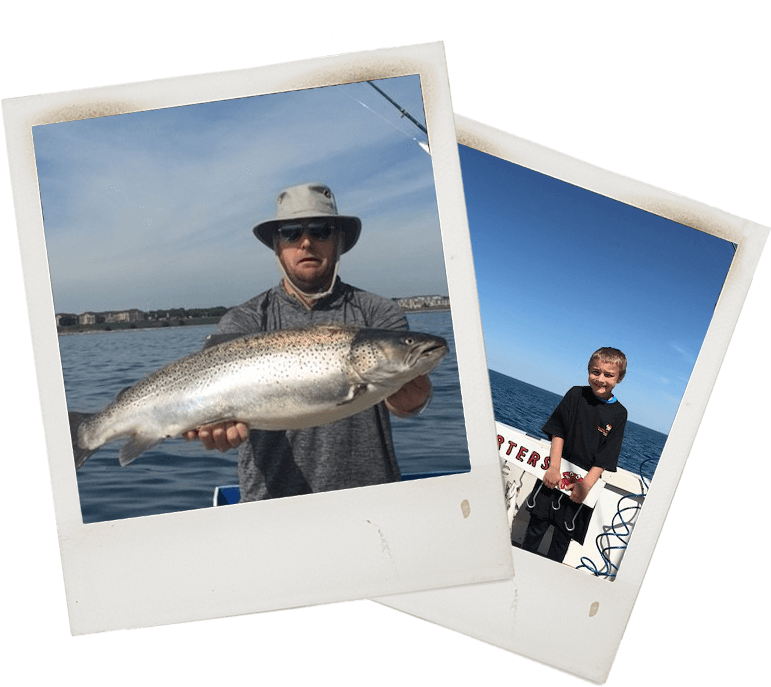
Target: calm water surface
[
  {"x": 178, "y": 476},
  {"x": 527, "y": 407}
]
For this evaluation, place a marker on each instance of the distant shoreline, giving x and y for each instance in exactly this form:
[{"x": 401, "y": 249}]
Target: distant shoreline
[
  {"x": 106, "y": 328},
  {"x": 426, "y": 309}
]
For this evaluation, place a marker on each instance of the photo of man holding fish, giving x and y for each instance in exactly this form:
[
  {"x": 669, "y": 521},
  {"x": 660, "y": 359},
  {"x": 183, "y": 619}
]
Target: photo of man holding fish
[
  {"x": 316, "y": 399},
  {"x": 296, "y": 390},
  {"x": 137, "y": 211}
]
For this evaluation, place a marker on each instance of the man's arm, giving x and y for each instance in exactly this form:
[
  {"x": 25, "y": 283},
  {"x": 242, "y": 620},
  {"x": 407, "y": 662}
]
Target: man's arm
[
  {"x": 411, "y": 398},
  {"x": 414, "y": 396}
]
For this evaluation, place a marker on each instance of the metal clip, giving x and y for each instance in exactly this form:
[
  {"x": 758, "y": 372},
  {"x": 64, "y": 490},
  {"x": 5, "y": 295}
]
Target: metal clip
[
  {"x": 571, "y": 527},
  {"x": 537, "y": 491}
]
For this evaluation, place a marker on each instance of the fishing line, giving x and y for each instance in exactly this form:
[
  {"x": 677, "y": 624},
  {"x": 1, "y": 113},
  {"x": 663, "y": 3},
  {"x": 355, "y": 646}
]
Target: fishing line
[{"x": 391, "y": 124}]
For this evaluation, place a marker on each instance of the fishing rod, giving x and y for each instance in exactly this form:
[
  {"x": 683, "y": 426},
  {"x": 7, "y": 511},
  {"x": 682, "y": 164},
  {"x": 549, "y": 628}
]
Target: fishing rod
[{"x": 403, "y": 112}]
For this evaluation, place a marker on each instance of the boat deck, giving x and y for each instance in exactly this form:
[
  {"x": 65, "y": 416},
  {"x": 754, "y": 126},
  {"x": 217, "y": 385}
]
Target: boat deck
[{"x": 615, "y": 511}]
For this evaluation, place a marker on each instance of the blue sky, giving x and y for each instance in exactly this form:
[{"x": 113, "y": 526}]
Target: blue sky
[
  {"x": 562, "y": 271},
  {"x": 155, "y": 209}
]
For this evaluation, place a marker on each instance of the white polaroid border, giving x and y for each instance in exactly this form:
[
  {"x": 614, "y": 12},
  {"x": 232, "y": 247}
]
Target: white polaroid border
[
  {"x": 553, "y": 613},
  {"x": 290, "y": 552}
]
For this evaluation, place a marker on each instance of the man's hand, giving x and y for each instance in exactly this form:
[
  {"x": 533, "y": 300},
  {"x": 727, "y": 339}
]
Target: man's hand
[
  {"x": 411, "y": 397},
  {"x": 222, "y": 436}
]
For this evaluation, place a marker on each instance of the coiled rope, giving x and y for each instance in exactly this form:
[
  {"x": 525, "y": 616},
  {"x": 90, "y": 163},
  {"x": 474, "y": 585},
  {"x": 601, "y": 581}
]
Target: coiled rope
[{"x": 615, "y": 537}]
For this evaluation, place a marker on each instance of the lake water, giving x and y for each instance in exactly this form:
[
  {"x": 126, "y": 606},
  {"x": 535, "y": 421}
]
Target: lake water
[
  {"x": 528, "y": 407},
  {"x": 177, "y": 475}
]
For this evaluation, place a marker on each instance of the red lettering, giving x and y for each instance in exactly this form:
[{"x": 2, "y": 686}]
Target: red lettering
[
  {"x": 501, "y": 439},
  {"x": 522, "y": 452},
  {"x": 546, "y": 463},
  {"x": 533, "y": 460}
]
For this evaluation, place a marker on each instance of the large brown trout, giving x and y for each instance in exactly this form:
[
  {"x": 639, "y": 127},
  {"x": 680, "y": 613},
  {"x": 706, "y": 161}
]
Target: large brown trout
[{"x": 287, "y": 379}]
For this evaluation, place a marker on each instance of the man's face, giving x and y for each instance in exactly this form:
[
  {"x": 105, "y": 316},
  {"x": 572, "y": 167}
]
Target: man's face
[{"x": 309, "y": 257}]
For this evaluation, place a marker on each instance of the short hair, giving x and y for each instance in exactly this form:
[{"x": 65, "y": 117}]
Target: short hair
[{"x": 606, "y": 354}]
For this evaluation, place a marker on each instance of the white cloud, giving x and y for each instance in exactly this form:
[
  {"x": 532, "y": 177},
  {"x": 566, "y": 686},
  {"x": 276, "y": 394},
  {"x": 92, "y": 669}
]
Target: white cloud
[
  {"x": 687, "y": 356},
  {"x": 161, "y": 204}
]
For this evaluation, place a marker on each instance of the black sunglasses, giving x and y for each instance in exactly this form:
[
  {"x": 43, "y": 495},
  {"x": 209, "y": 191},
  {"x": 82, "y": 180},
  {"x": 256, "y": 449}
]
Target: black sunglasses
[{"x": 320, "y": 230}]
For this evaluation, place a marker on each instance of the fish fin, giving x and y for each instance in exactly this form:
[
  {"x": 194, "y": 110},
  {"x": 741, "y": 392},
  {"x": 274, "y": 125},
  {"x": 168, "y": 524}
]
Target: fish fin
[
  {"x": 137, "y": 444},
  {"x": 121, "y": 392},
  {"x": 80, "y": 454},
  {"x": 354, "y": 391},
  {"x": 216, "y": 339}
]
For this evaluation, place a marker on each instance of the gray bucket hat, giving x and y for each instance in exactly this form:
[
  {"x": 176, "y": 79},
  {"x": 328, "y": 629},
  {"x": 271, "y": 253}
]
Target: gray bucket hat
[{"x": 303, "y": 202}]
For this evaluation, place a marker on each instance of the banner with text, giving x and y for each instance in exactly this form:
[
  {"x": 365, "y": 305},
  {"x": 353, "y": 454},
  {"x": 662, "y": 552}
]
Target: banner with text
[{"x": 531, "y": 454}]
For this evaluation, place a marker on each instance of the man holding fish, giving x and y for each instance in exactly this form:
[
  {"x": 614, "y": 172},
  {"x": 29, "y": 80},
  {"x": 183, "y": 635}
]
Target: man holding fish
[{"x": 308, "y": 237}]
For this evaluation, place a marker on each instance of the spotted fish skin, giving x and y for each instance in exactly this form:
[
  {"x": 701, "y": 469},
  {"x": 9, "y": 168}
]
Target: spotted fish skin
[{"x": 289, "y": 379}]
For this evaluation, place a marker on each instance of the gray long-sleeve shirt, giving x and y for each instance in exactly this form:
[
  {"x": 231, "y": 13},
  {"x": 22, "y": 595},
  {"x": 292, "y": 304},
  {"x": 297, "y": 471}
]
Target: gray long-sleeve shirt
[{"x": 353, "y": 452}]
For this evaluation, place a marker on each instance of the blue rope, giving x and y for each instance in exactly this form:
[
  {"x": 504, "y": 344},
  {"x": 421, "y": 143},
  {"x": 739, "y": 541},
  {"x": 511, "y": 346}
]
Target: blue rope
[{"x": 619, "y": 529}]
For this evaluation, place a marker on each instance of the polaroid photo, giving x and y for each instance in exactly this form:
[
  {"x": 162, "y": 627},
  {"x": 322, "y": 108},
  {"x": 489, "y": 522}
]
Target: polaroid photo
[
  {"x": 145, "y": 212},
  {"x": 571, "y": 259}
]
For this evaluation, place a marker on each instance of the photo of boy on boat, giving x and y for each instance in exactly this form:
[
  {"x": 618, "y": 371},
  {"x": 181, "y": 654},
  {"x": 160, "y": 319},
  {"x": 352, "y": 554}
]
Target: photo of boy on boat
[
  {"x": 559, "y": 266},
  {"x": 587, "y": 429}
]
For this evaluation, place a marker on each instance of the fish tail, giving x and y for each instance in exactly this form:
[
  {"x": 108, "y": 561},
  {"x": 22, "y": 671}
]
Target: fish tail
[
  {"x": 81, "y": 454},
  {"x": 137, "y": 443}
]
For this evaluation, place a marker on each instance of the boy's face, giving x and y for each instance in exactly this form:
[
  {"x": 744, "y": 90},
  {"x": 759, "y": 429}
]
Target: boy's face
[{"x": 603, "y": 377}]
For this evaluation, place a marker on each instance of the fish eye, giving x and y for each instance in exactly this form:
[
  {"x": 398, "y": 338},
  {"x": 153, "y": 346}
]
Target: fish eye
[{"x": 409, "y": 341}]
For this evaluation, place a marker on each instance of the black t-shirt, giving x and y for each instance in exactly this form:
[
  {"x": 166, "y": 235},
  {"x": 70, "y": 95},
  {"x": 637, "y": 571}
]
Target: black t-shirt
[{"x": 592, "y": 429}]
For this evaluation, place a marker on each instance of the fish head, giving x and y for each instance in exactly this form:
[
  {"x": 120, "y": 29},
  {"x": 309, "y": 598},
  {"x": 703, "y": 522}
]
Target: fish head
[{"x": 391, "y": 358}]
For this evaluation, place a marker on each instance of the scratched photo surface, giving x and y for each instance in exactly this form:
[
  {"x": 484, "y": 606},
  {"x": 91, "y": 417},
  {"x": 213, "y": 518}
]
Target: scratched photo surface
[
  {"x": 562, "y": 271},
  {"x": 148, "y": 222}
]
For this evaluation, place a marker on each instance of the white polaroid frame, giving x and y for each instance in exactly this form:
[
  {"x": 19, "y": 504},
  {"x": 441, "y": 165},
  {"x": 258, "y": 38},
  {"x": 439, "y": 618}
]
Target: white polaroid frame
[
  {"x": 553, "y": 613},
  {"x": 292, "y": 552}
]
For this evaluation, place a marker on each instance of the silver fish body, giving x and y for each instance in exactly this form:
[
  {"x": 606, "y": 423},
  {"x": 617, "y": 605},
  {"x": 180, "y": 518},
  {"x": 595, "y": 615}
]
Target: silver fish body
[{"x": 288, "y": 379}]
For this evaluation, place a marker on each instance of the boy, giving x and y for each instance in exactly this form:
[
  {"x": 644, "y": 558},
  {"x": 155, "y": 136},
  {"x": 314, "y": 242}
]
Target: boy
[{"x": 586, "y": 428}]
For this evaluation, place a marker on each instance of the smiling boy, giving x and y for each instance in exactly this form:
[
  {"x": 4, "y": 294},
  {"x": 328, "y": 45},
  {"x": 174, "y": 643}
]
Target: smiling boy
[{"x": 587, "y": 429}]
